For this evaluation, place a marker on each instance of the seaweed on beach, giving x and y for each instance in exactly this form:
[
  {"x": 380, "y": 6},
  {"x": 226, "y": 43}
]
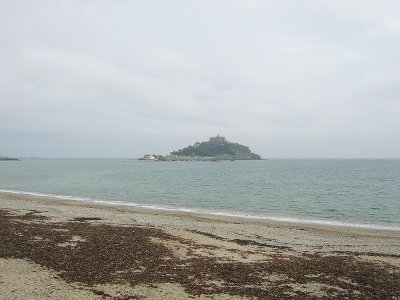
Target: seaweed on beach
[
  {"x": 240, "y": 241},
  {"x": 85, "y": 219},
  {"x": 93, "y": 254}
]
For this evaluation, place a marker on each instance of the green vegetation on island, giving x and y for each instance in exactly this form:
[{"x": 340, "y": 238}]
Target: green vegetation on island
[{"x": 216, "y": 148}]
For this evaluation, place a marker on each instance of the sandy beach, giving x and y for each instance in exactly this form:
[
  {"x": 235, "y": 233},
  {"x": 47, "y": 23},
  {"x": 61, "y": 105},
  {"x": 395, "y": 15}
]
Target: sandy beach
[{"x": 60, "y": 249}]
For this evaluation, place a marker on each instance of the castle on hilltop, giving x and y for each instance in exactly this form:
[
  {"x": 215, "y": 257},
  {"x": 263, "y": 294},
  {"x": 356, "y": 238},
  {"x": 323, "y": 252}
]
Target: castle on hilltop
[{"x": 217, "y": 140}]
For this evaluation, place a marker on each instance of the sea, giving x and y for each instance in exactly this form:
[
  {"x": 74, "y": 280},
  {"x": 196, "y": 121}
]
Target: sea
[{"x": 363, "y": 193}]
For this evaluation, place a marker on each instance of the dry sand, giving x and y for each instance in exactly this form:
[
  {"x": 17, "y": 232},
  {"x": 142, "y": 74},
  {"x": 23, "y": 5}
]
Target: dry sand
[{"x": 56, "y": 249}]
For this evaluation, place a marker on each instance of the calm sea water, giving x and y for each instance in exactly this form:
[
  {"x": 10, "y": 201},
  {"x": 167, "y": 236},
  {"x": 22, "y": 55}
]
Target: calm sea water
[{"x": 338, "y": 192}]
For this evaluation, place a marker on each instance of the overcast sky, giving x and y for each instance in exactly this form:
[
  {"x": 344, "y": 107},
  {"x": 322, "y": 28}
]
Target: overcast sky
[{"x": 123, "y": 78}]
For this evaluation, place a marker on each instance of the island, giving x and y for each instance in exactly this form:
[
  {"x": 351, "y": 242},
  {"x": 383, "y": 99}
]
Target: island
[{"x": 216, "y": 148}]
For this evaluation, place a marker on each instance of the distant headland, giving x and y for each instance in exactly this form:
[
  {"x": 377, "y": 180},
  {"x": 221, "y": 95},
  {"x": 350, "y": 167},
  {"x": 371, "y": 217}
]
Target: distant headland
[
  {"x": 7, "y": 158},
  {"x": 216, "y": 148}
]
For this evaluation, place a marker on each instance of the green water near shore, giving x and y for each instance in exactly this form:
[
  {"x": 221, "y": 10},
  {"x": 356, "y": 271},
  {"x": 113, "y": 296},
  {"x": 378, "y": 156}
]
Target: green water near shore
[{"x": 353, "y": 192}]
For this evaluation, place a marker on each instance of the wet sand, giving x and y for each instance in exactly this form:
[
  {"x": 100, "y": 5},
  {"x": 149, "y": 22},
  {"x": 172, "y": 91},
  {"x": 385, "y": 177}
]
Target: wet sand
[{"x": 58, "y": 249}]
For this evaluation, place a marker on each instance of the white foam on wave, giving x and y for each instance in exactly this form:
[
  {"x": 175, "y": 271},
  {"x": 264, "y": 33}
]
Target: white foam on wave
[
  {"x": 215, "y": 213},
  {"x": 62, "y": 197},
  {"x": 309, "y": 221}
]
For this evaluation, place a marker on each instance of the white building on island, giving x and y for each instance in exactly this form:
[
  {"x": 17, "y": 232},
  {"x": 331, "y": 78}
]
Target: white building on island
[{"x": 148, "y": 157}]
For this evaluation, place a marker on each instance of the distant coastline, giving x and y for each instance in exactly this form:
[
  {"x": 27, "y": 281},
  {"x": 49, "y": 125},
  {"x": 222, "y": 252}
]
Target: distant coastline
[{"x": 5, "y": 158}]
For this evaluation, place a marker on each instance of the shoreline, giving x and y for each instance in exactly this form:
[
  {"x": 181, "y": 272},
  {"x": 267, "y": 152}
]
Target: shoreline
[
  {"x": 316, "y": 237},
  {"x": 210, "y": 214},
  {"x": 67, "y": 249}
]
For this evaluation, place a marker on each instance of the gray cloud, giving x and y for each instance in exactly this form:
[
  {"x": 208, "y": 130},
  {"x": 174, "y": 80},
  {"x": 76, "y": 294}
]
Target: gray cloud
[{"x": 288, "y": 78}]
